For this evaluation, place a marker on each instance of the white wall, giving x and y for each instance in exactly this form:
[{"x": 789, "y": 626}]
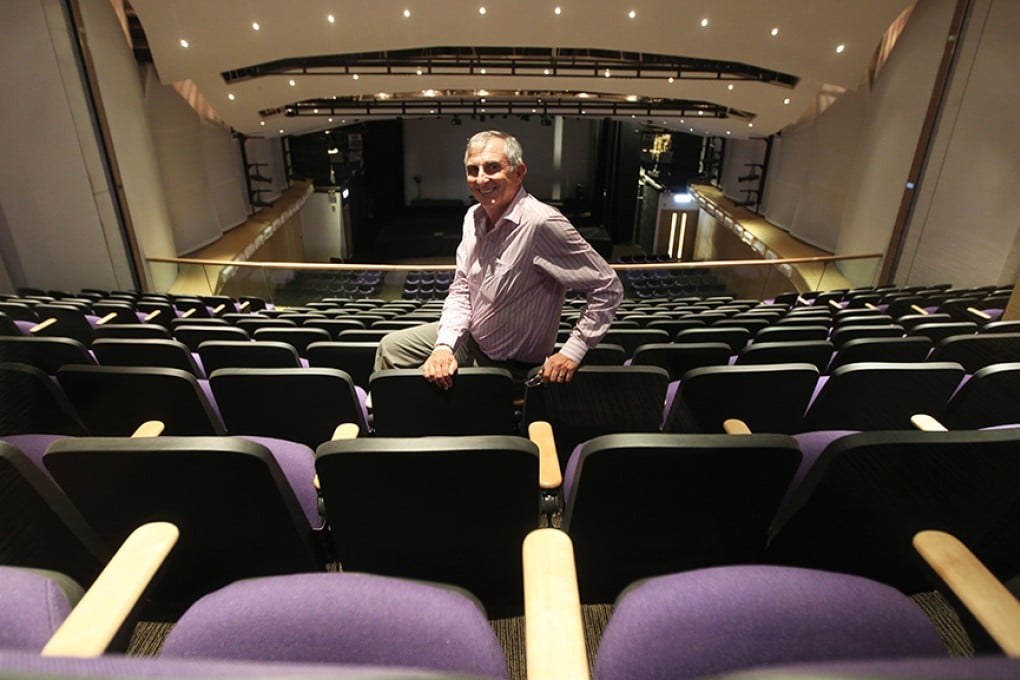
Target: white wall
[
  {"x": 965, "y": 225},
  {"x": 892, "y": 126},
  {"x": 55, "y": 195},
  {"x": 120, "y": 87},
  {"x": 322, "y": 227},
  {"x": 740, "y": 153}
]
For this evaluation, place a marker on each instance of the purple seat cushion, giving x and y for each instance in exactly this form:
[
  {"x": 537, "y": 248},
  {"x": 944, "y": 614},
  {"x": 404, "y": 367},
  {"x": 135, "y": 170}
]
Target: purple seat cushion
[
  {"x": 297, "y": 462},
  {"x": 33, "y": 604},
  {"x": 33, "y": 446},
  {"x": 340, "y": 618},
  {"x": 811, "y": 446},
  {"x": 206, "y": 388},
  {"x": 25, "y": 664},
  {"x": 718, "y": 620}
]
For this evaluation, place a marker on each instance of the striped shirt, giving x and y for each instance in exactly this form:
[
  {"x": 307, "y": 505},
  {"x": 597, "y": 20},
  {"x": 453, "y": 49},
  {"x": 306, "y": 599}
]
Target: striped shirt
[{"x": 511, "y": 282}]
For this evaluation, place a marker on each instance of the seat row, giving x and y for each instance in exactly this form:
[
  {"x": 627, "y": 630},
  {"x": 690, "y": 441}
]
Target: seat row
[{"x": 700, "y": 605}]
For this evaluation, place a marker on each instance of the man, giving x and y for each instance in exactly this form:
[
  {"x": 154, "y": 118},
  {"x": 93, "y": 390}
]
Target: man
[{"x": 516, "y": 260}]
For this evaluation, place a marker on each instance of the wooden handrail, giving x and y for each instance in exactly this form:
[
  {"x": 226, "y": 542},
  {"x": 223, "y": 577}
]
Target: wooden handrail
[{"x": 450, "y": 267}]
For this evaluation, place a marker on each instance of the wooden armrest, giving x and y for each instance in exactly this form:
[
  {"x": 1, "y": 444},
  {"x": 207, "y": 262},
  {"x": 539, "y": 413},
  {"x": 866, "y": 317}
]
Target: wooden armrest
[
  {"x": 802, "y": 300},
  {"x": 188, "y": 313},
  {"x": 991, "y": 603},
  {"x": 549, "y": 475},
  {"x": 43, "y": 325},
  {"x": 925, "y": 423},
  {"x": 735, "y": 426},
  {"x": 95, "y": 621},
  {"x": 554, "y": 632},
  {"x": 345, "y": 431},
  {"x": 107, "y": 319},
  {"x": 835, "y": 305},
  {"x": 979, "y": 314},
  {"x": 151, "y": 315},
  {"x": 243, "y": 307},
  {"x": 919, "y": 309},
  {"x": 150, "y": 428},
  {"x": 870, "y": 306},
  {"x": 219, "y": 308}
]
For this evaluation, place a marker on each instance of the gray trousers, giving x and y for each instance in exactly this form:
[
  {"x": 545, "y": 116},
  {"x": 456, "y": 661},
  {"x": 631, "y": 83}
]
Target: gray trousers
[{"x": 410, "y": 347}]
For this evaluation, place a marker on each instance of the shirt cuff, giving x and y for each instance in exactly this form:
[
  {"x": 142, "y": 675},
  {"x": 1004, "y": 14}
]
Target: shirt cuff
[
  {"x": 574, "y": 349},
  {"x": 448, "y": 339}
]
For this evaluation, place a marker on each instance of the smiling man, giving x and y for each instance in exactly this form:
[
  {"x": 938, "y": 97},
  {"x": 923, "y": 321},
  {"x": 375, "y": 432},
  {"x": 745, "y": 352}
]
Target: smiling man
[{"x": 516, "y": 260}]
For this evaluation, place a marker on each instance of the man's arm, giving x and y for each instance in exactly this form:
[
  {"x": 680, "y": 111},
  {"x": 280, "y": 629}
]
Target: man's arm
[
  {"x": 576, "y": 265},
  {"x": 453, "y": 324}
]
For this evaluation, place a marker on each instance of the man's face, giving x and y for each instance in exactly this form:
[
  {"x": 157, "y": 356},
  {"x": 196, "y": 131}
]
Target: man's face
[{"x": 490, "y": 179}]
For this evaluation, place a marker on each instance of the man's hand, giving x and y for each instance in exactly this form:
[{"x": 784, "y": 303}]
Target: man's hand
[
  {"x": 558, "y": 368},
  {"x": 440, "y": 367}
]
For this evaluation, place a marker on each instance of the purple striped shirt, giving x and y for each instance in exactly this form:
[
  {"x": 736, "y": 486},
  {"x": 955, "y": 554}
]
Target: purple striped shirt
[{"x": 511, "y": 282}]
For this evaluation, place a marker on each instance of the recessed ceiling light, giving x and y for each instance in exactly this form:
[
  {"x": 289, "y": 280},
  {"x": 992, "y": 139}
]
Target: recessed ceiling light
[
  {"x": 681, "y": 121},
  {"x": 750, "y": 125},
  {"x": 230, "y": 96},
  {"x": 545, "y": 72},
  {"x": 281, "y": 131},
  {"x": 607, "y": 73},
  {"x": 730, "y": 86},
  {"x": 670, "y": 80},
  {"x": 481, "y": 10},
  {"x": 329, "y": 120},
  {"x": 262, "y": 122},
  {"x": 355, "y": 76},
  {"x": 315, "y": 110},
  {"x": 701, "y": 113},
  {"x": 327, "y": 132},
  {"x": 727, "y": 132},
  {"x": 704, "y": 23},
  {"x": 255, "y": 26},
  {"x": 840, "y": 48},
  {"x": 184, "y": 43},
  {"x": 632, "y": 97},
  {"x": 557, "y": 11},
  {"x": 631, "y": 14},
  {"x": 775, "y": 31},
  {"x": 407, "y": 13},
  {"x": 482, "y": 71},
  {"x": 330, "y": 18},
  {"x": 786, "y": 101},
  {"x": 292, "y": 83}
]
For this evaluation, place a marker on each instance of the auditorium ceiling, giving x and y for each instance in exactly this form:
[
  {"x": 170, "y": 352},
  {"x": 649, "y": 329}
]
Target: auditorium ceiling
[{"x": 745, "y": 68}]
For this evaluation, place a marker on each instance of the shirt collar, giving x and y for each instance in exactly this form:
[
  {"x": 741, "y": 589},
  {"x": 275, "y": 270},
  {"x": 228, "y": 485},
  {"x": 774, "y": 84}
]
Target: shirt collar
[{"x": 512, "y": 214}]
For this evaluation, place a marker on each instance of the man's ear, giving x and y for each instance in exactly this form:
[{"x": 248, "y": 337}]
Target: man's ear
[{"x": 521, "y": 171}]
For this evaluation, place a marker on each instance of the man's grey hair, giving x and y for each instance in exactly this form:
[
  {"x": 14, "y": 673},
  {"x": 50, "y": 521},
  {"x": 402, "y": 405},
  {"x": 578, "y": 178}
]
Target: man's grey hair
[{"x": 514, "y": 152}]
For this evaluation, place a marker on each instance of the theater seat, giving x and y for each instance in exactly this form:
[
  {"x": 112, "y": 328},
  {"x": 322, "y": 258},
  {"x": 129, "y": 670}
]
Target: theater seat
[
  {"x": 242, "y": 509},
  {"x": 710, "y": 621},
  {"x": 35, "y": 603},
  {"x": 48, "y": 612},
  {"x": 639, "y": 505},
  {"x": 347, "y": 618}
]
